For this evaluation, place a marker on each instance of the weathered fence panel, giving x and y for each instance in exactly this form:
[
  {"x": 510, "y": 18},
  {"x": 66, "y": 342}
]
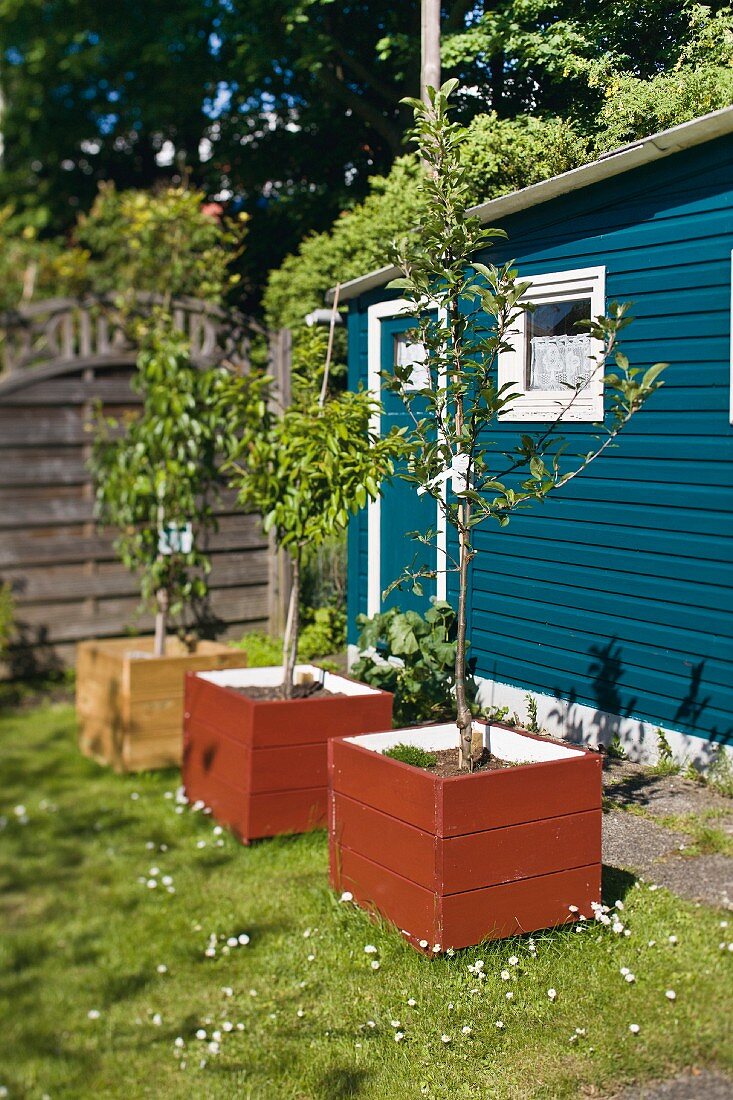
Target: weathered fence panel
[{"x": 66, "y": 582}]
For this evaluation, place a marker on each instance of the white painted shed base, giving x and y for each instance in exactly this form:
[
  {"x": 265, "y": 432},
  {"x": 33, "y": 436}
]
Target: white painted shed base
[{"x": 583, "y": 724}]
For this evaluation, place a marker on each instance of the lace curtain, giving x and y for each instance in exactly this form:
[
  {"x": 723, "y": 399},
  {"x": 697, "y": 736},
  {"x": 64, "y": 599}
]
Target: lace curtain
[
  {"x": 412, "y": 355},
  {"x": 559, "y": 361}
]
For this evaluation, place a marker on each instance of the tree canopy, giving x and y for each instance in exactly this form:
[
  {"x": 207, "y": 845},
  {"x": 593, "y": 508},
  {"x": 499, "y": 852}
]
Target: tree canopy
[{"x": 285, "y": 108}]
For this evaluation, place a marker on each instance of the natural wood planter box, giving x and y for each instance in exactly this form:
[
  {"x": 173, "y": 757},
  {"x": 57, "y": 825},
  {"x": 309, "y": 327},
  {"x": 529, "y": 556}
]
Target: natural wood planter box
[
  {"x": 455, "y": 861},
  {"x": 130, "y": 704},
  {"x": 261, "y": 765}
]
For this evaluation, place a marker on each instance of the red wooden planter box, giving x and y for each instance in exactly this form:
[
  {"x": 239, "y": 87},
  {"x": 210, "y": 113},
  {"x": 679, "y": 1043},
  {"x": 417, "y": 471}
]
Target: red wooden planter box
[
  {"x": 453, "y": 862},
  {"x": 260, "y": 765}
]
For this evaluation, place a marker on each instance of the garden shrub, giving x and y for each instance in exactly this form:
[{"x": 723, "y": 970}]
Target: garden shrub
[
  {"x": 323, "y": 632},
  {"x": 412, "y": 656}
]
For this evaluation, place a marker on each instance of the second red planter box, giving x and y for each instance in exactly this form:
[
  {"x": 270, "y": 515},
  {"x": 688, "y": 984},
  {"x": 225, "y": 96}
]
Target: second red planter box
[{"x": 261, "y": 765}]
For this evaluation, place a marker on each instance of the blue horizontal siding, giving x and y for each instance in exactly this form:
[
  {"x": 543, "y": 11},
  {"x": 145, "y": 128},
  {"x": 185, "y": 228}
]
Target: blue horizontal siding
[{"x": 617, "y": 592}]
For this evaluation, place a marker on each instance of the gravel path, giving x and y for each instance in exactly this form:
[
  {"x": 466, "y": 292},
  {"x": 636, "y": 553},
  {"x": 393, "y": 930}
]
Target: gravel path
[
  {"x": 636, "y": 838},
  {"x": 695, "y": 1085}
]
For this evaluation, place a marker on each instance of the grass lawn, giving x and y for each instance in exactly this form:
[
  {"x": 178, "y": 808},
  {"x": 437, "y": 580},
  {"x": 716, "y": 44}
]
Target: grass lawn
[{"x": 105, "y": 980}]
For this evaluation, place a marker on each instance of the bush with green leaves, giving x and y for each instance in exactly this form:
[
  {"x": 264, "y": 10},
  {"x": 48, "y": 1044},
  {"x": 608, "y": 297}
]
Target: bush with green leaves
[
  {"x": 414, "y": 657},
  {"x": 306, "y": 470},
  {"x": 158, "y": 470},
  {"x": 169, "y": 242},
  {"x": 502, "y": 154},
  {"x": 323, "y": 632},
  {"x": 476, "y": 307}
]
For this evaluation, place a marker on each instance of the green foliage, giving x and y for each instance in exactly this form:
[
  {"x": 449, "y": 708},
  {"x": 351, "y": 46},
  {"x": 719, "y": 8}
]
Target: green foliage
[
  {"x": 477, "y": 305},
  {"x": 413, "y": 657},
  {"x": 6, "y": 618},
  {"x": 700, "y": 80},
  {"x": 307, "y": 471},
  {"x": 615, "y": 750},
  {"x": 170, "y": 243},
  {"x": 719, "y": 775},
  {"x": 496, "y": 714},
  {"x": 261, "y": 649},
  {"x": 167, "y": 242},
  {"x": 665, "y": 763},
  {"x": 619, "y": 86},
  {"x": 533, "y": 725},
  {"x": 32, "y": 268},
  {"x": 412, "y": 755},
  {"x": 323, "y": 632},
  {"x": 160, "y": 467},
  {"x": 355, "y": 244}
]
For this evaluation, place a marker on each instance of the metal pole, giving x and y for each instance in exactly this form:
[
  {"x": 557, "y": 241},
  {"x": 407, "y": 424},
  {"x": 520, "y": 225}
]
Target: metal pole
[{"x": 430, "y": 46}]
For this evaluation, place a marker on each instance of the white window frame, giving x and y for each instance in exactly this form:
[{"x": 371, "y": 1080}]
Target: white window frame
[
  {"x": 543, "y": 405},
  {"x": 377, "y": 313}
]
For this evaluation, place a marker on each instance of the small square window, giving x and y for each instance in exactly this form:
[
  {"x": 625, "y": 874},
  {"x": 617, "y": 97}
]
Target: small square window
[
  {"x": 408, "y": 353},
  {"x": 551, "y": 356}
]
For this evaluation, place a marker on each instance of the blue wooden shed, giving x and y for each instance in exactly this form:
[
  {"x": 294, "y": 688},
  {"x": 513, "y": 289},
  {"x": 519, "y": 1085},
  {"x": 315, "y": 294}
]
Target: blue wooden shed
[{"x": 612, "y": 603}]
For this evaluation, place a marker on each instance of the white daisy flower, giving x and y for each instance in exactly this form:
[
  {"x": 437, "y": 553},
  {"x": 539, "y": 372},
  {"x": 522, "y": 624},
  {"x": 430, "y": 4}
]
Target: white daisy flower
[
  {"x": 399, "y": 1036},
  {"x": 200, "y": 1034},
  {"x": 445, "y": 1039},
  {"x": 670, "y": 995},
  {"x": 505, "y": 975},
  {"x": 411, "y": 1002},
  {"x": 243, "y": 939},
  {"x": 370, "y": 949},
  {"x": 552, "y": 994},
  {"x": 94, "y": 1014},
  {"x": 499, "y": 1024},
  {"x": 513, "y": 960},
  {"x": 466, "y": 1030},
  {"x": 347, "y": 896},
  {"x": 179, "y": 1042},
  {"x": 375, "y": 965},
  {"x": 634, "y": 1029},
  {"x": 157, "y": 1019},
  {"x": 162, "y": 968}
]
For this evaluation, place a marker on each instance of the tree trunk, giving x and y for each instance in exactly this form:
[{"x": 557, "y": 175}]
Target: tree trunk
[
  {"x": 292, "y": 626},
  {"x": 464, "y": 718},
  {"x": 161, "y": 622}
]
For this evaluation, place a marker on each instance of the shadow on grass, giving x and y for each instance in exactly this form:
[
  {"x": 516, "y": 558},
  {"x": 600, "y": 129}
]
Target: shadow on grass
[
  {"x": 341, "y": 1082},
  {"x": 121, "y": 987},
  {"x": 615, "y": 884}
]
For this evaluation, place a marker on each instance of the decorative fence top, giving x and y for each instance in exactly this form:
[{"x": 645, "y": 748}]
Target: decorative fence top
[{"x": 62, "y": 331}]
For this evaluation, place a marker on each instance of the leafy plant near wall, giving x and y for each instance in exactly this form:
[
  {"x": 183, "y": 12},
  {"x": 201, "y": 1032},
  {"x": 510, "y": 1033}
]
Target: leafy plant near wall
[
  {"x": 475, "y": 307},
  {"x": 414, "y": 657},
  {"x": 158, "y": 472},
  {"x": 306, "y": 472}
]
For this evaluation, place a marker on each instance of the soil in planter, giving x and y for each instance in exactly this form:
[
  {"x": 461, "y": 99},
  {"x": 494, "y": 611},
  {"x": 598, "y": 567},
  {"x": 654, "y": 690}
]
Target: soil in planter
[
  {"x": 312, "y": 690},
  {"x": 447, "y": 765}
]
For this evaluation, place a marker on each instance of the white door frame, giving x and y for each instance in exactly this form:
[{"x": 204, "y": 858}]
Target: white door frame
[{"x": 375, "y": 315}]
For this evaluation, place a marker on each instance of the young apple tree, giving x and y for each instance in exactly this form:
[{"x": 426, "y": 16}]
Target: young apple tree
[
  {"x": 156, "y": 473},
  {"x": 307, "y": 470},
  {"x": 464, "y": 312}
]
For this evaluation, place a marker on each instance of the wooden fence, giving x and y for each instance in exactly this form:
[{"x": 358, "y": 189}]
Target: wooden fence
[{"x": 61, "y": 358}]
